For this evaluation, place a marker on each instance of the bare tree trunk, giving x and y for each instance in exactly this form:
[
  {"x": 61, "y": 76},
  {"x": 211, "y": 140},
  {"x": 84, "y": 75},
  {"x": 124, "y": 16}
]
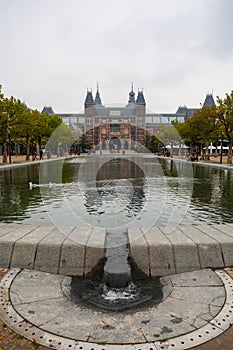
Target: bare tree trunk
[
  {"x": 229, "y": 158},
  {"x": 172, "y": 150},
  {"x": 39, "y": 143},
  {"x": 27, "y": 149},
  {"x": 191, "y": 148},
  {"x": 206, "y": 149},
  {"x": 4, "y": 156}
]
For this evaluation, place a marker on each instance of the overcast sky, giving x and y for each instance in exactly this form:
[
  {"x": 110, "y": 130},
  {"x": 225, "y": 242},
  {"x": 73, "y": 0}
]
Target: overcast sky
[{"x": 176, "y": 50}]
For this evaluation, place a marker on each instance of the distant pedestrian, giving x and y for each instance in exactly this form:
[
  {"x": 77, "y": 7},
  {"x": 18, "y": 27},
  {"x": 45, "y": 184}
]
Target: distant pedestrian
[{"x": 41, "y": 154}]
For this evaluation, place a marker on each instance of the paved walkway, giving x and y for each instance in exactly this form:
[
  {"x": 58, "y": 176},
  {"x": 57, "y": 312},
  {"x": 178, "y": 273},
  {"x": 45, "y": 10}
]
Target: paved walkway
[
  {"x": 76, "y": 251},
  {"x": 195, "y": 308}
]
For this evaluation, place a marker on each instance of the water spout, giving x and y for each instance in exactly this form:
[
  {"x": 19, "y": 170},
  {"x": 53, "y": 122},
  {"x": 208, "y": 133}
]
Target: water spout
[
  {"x": 112, "y": 285},
  {"x": 117, "y": 269}
]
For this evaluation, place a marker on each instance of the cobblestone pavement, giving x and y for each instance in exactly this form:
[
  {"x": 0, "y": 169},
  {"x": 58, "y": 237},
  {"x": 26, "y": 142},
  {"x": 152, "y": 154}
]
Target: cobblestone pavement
[{"x": 9, "y": 340}]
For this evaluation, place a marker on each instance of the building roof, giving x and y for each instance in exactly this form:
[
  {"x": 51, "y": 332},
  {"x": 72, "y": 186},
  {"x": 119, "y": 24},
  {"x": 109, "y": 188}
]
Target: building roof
[
  {"x": 89, "y": 98},
  {"x": 209, "y": 101},
  {"x": 97, "y": 97},
  {"x": 182, "y": 110},
  {"x": 48, "y": 110},
  {"x": 140, "y": 98}
]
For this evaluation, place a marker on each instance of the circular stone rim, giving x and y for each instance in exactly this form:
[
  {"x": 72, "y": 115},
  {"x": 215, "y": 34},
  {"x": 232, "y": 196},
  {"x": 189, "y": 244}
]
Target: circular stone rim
[{"x": 220, "y": 323}]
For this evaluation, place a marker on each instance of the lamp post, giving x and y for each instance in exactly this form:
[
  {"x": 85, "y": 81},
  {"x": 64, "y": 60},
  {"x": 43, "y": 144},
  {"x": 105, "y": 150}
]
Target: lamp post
[
  {"x": 221, "y": 148},
  {"x": 9, "y": 146}
]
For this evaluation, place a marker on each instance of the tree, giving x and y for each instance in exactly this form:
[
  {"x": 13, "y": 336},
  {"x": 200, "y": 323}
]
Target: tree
[
  {"x": 225, "y": 116},
  {"x": 203, "y": 127},
  {"x": 61, "y": 139},
  {"x": 152, "y": 142},
  {"x": 168, "y": 134},
  {"x": 206, "y": 123},
  {"x": 3, "y": 125},
  {"x": 24, "y": 130},
  {"x": 11, "y": 119},
  {"x": 53, "y": 122},
  {"x": 83, "y": 144}
]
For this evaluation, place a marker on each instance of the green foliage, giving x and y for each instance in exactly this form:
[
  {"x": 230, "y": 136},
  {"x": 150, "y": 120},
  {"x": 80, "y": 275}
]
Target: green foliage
[
  {"x": 23, "y": 125},
  {"x": 53, "y": 122},
  {"x": 152, "y": 143},
  {"x": 168, "y": 134},
  {"x": 83, "y": 144},
  {"x": 203, "y": 127},
  {"x": 61, "y": 135},
  {"x": 225, "y": 116}
]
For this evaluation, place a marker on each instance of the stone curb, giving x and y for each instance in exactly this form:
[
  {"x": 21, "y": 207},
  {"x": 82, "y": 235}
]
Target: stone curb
[{"x": 76, "y": 250}]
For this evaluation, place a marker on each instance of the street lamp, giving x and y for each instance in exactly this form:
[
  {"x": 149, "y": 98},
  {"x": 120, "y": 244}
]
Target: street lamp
[{"x": 221, "y": 148}]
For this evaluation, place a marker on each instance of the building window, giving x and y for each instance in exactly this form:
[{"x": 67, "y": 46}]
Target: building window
[
  {"x": 115, "y": 113},
  {"x": 114, "y": 127}
]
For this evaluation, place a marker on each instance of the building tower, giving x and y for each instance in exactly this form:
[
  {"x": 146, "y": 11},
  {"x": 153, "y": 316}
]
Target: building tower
[
  {"x": 97, "y": 97},
  {"x": 89, "y": 117},
  {"x": 140, "y": 117},
  {"x": 209, "y": 101},
  {"x": 131, "y": 96}
]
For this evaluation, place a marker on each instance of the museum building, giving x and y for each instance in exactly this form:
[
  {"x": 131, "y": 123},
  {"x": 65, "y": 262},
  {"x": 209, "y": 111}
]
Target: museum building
[{"x": 102, "y": 124}]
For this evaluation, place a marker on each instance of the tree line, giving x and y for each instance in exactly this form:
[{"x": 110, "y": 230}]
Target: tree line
[
  {"x": 21, "y": 125},
  {"x": 211, "y": 124}
]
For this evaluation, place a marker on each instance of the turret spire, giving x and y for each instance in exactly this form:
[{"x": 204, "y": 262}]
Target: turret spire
[
  {"x": 209, "y": 100},
  {"x": 140, "y": 98},
  {"x": 97, "y": 96},
  {"x": 131, "y": 95},
  {"x": 89, "y": 99}
]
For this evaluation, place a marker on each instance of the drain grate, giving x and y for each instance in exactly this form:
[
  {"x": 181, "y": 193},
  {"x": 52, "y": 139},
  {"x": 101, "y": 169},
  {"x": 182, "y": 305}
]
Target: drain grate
[{"x": 214, "y": 328}]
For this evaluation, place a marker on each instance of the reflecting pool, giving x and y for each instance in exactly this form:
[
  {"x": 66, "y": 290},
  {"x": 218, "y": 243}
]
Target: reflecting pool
[{"x": 116, "y": 191}]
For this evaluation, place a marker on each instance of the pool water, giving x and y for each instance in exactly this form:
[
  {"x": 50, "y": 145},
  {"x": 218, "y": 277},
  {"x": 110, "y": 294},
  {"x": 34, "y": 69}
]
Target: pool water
[{"x": 116, "y": 191}]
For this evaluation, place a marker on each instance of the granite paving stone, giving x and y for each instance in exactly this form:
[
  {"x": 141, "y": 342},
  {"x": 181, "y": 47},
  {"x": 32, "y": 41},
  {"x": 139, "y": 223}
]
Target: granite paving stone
[
  {"x": 40, "y": 298},
  {"x": 209, "y": 249},
  {"x": 72, "y": 258},
  {"x": 165, "y": 327},
  {"x": 139, "y": 250},
  {"x": 32, "y": 286},
  {"x": 161, "y": 255},
  {"x": 227, "y": 228},
  {"x": 94, "y": 249},
  {"x": 199, "y": 278},
  {"x": 49, "y": 250},
  {"x": 185, "y": 251},
  {"x": 76, "y": 251},
  {"x": 25, "y": 248},
  {"x": 224, "y": 239},
  {"x": 202, "y": 295},
  {"x": 8, "y": 242}
]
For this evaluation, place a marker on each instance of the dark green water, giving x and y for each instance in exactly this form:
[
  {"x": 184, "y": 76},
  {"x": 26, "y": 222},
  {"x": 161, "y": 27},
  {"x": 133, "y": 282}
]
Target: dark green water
[{"x": 118, "y": 193}]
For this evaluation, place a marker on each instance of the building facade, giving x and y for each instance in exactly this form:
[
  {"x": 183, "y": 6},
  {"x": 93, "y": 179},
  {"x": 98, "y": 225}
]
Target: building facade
[
  {"x": 111, "y": 126},
  {"x": 115, "y": 124}
]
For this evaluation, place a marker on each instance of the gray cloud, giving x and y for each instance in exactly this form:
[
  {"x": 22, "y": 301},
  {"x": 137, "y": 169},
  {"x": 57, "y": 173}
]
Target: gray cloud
[{"x": 177, "y": 50}]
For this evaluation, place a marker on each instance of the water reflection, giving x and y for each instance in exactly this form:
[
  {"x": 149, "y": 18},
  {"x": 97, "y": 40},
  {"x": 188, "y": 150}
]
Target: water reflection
[
  {"x": 15, "y": 199},
  {"x": 119, "y": 192},
  {"x": 120, "y": 186}
]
